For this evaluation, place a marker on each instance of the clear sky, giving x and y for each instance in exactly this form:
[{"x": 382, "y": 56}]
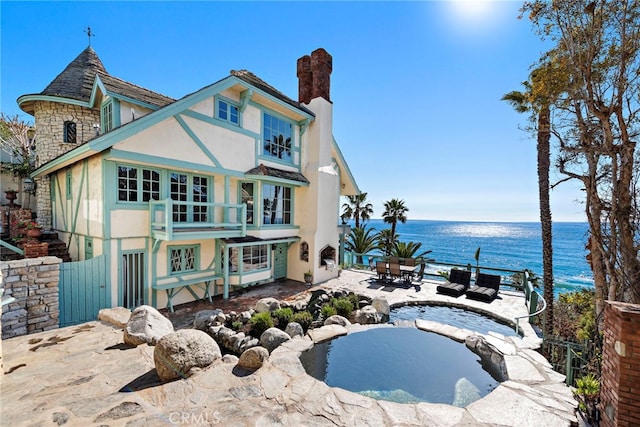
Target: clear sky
[{"x": 416, "y": 86}]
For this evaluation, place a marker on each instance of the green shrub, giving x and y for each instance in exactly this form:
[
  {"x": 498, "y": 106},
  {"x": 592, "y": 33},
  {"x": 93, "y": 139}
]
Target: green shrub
[
  {"x": 304, "y": 318},
  {"x": 328, "y": 311},
  {"x": 282, "y": 316},
  {"x": 260, "y": 322},
  {"x": 355, "y": 300},
  {"x": 343, "y": 306},
  {"x": 237, "y": 325}
]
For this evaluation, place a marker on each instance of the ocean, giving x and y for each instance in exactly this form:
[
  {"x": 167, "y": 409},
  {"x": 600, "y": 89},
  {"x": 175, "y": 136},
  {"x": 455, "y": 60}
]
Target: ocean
[{"x": 510, "y": 245}]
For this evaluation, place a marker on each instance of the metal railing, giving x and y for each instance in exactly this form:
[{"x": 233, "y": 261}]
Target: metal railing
[{"x": 11, "y": 247}]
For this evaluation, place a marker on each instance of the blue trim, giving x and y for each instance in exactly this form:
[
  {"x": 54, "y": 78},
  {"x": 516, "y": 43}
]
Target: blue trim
[
  {"x": 197, "y": 140},
  {"x": 343, "y": 166},
  {"x": 245, "y": 98},
  {"x": 217, "y": 122},
  {"x": 182, "y": 248}
]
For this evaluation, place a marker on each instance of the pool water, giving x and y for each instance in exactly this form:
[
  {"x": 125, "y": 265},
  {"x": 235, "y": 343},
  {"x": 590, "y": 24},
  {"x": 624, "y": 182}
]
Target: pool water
[
  {"x": 401, "y": 364},
  {"x": 453, "y": 316}
]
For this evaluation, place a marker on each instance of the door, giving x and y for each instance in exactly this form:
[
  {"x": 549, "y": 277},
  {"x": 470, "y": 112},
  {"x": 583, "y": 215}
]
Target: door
[
  {"x": 280, "y": 261},
  {"x": 132, "y": 270},
  {"x": 83, "y": 290}
]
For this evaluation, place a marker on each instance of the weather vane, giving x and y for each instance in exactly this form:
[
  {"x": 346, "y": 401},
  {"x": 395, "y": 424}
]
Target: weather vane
[{"x": 89, "y": 34}]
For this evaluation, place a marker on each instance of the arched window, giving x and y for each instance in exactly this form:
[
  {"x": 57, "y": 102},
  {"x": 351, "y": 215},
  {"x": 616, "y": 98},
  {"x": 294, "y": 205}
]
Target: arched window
[{"x": 70, "y": 132}]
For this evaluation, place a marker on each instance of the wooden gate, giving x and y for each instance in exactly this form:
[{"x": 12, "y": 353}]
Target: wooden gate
[{"x": 83, "y": 290}]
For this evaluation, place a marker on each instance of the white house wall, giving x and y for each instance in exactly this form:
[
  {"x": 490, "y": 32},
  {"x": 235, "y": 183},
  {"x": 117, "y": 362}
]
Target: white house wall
[{"x": 130, "y": 112}]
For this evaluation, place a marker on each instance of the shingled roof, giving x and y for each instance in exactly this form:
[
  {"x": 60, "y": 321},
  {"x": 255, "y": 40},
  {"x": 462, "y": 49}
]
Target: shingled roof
[
  {"x": 256, "y": 81},
  {"x": 76, "y": 81},
  {"x": 277, "y": 173}
]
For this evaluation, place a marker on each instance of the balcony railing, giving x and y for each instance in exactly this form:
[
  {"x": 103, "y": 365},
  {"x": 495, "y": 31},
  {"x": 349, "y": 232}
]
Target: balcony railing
[{"x": 174, "y": 220}]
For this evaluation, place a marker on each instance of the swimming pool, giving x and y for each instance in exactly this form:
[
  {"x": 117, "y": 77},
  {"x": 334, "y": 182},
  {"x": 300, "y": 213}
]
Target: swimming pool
[
  {"x": 401, "y": 364},
  {"x": 454, "y": 316}
]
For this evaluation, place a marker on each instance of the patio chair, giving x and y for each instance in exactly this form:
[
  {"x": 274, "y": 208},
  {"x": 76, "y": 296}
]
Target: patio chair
[
  {"x": 394, "y": 271},
  {"x": 394, "y": 260},
  {"x": 419, "y": 275},
  {"x": 486, "y": 288},
  {"x": 381, "y": 269},
  {"x": 372, "y": 264},
  {"x": 457, "y": 284},
  {"x": 410, "y": 261}
]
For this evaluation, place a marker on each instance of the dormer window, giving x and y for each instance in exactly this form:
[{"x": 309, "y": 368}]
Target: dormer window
[
  {"x": 107, "y": 117},
  {"x": 69, "y": 132},
  {"x": 277, "y": 138}
]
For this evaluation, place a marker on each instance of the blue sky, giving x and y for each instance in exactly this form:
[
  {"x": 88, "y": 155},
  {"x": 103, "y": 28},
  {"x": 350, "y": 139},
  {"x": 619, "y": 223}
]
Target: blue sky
[{"x": 416, "y": 86}]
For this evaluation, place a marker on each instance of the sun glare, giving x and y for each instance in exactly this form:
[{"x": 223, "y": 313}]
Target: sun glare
[{"x": 471, "y": 10}]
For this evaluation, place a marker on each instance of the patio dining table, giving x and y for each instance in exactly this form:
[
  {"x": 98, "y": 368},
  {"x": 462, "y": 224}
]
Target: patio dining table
[{"x": 406, "y": 271}]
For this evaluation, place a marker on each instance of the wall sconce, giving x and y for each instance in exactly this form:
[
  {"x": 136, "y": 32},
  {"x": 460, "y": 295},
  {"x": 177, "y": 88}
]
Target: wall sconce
[
  {"x": 29, "y": 186},
  {"x": 96, "y": 127}
]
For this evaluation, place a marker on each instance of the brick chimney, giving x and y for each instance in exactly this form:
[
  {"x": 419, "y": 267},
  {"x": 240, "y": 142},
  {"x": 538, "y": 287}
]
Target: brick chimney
[{"x": 314, "y": 76}]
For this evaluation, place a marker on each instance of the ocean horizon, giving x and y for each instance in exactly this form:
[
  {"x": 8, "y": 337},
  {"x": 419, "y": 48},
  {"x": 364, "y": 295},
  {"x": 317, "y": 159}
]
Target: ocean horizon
[{"x": 509, "y": 245}]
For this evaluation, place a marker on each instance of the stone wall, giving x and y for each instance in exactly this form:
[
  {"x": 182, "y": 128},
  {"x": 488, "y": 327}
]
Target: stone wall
[
  {"x": 34, "y": 285},
  {"x": 620, "y": 383}
]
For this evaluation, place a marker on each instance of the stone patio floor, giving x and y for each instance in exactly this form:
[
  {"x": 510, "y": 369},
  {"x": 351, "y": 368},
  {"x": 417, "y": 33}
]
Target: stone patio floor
[{"x": 84, "y": 375}]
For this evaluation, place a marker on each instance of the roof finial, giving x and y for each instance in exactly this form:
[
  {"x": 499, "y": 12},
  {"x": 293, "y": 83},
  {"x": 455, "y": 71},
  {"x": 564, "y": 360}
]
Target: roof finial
[{"x": 89, "y": 34}]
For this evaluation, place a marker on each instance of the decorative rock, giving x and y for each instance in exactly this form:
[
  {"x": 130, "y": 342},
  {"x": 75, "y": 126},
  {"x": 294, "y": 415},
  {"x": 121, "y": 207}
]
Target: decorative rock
[
  {"x": 272, "y": 338},
  {"x": 230, "y": 358},
  {"x": 146, "y": 325},
  {"x": 245, "y": 316},
  {"x": 381, "y": 305},
  {"x": 253, "y": 358},
  {"x": 249, "y": 342},
  {"x": 294, "y": 329},
  {"x": 206, "y": 318},
  {"x": 177, "y": 353},
  {"x": 367, "y": 315},
  {"x": 117, "y": 316},
  {"x": 267, "y": 304},
  {"x": 326, "y": 333},
  {"x": 337, "y": 320}
]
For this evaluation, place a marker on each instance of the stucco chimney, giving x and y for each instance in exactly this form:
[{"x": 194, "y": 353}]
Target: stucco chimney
[
  {"x": 305, "y": 80},
  {"x": 314, "y": 76},
  {"x": 321, "y": 67}
]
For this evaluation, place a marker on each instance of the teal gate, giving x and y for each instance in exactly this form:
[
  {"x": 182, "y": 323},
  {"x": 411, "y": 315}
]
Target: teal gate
[{"x": 83, "y": 290}]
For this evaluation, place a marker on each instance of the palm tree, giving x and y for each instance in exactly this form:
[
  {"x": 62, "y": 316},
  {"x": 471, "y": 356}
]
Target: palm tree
[
  {"x": 394, "y": 211},
  {"x": 361, "y": 241},
  {"x": 386, "y": 241},
  {"x": 537, "y": 99},
  {"x": 409, "y": 250},
  {"x": 358, "y": 208}
]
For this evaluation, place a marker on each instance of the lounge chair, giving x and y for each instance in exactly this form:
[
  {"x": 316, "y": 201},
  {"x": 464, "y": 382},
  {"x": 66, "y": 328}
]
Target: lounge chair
[
  {"x": 486, "y": 288},
  {"x": 381, "y": 269},
  {"x": 457, "y": 284}
]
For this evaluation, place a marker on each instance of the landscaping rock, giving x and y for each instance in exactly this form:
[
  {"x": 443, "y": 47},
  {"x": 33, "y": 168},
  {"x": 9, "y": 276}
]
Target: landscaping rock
[
  {"x": 205, "y": 319},
  {"x": 337, "y": 320},
  {"x": 117, "y": 316},
  {"x": 272, "y": 338},
  {"x": 146, "y": 325},
  {"x": 294, "y": 329},
  {"x": 253, "y": 358},
  {"x": 177, "y": 353},
  {"x": 326, "y": 333},
  {"x": 381, "y": 305},
  {"x": 367, "y": 315},
  {"x": 267, "y": 304}
]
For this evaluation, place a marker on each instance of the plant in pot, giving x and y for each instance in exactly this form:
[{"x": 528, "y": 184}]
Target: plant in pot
[
  {"x": 31, "y": 228},
  {"x": 308, "y": 277}
]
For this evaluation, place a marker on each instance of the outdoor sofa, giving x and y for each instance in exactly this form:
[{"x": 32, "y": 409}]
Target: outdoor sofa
[
  {"x": 486, "y": 288},
  {"x": 457, "y": 284}
]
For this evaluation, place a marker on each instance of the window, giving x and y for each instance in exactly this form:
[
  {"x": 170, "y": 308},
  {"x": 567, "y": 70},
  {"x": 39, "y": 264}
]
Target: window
[
  {"x": 137, "y": 184},
  {"x": 68, "y": 183},
  {"x": 189, "y": 188},
  {"x": 69, "y": 132},
  {"x": 254, "y": 258},
  {"x": 277, "y": 138},
  {"x": 276, "y": 208},
  {"x": 247, "y": 197},
  {"x": 182, "y": 259},
  {"x": 107, "y": 117},
  {"x": 228, "y": 112}
]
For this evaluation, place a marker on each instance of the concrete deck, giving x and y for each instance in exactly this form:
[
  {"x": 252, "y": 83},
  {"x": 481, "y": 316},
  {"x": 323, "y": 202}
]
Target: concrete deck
[{"x": 84, "y": 375}]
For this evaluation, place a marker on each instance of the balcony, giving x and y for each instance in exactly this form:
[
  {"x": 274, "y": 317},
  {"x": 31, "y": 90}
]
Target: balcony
[{"x": 172, "y": 220}]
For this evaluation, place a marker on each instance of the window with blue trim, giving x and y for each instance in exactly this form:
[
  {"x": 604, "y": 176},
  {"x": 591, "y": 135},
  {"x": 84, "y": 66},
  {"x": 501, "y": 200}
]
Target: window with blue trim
[
  {"x": 107, "y": 117},
  {"x": 277, "y": 139},
  {"x": 69, "y": 132},
  {"x": 247, "y": 197},
  {"x": 138, "y": 184},
  {"x": 228, "y": 112},
  {"x": 254, "y": 258},
  {"x": 183, "y": 259},
  {"x": 186, "y": 187},
  {"x": 276, "y": 204}
]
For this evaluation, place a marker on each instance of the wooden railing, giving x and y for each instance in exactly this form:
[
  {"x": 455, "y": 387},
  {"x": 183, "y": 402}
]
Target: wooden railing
[{"x": 173, "y": 220}]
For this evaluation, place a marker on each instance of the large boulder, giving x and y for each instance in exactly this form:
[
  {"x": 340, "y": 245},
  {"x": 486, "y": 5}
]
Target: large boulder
[
  {"x": 367, "y": 315},
  {"x": 381, "y": 305},
  {"x": 179, "y": 352},
  {"x": 267, "y": 304},
  {"x": 294, "y": 329},
  {"x": 272, "y": 338},
  {"x": 146, "y": 325},
  {"x": 337, "y": 320},
  {"x": 253, "y": 358},
  {"x": 116, "y": 316}
]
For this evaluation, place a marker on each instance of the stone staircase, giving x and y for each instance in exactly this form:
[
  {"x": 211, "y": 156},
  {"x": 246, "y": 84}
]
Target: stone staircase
[{"x": 56, "y": 248}]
